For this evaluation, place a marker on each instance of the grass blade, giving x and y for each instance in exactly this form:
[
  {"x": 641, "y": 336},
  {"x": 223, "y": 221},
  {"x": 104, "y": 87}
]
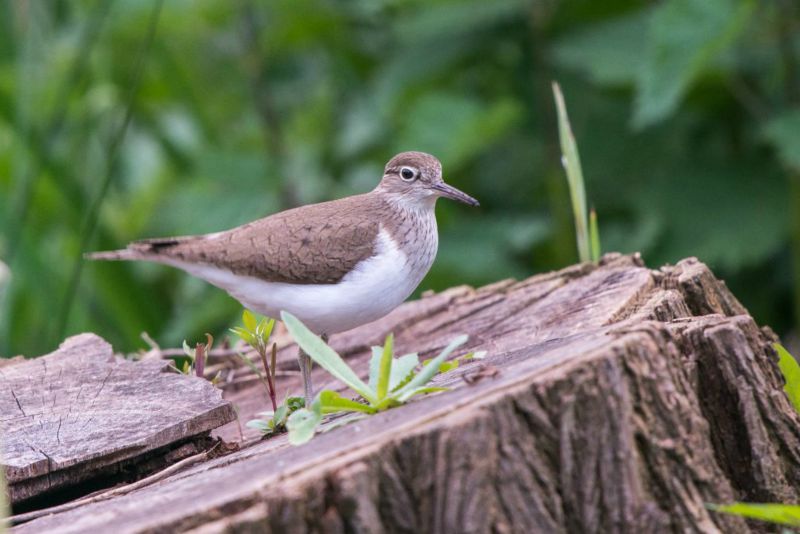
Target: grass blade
[
  {"x": 572, "y": 165},
  {"x": 385, "y": 371},
  {"x": 325, "y": 356}
]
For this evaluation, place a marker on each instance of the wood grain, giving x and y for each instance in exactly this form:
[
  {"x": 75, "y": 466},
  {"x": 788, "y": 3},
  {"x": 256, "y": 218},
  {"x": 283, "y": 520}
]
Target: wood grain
[{"x": 79, "y": 410}]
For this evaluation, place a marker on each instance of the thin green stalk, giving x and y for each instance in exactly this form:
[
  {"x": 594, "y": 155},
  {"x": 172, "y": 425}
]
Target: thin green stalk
[
  {"x": 594, "y": 236},
  {"x": 113, "y": 151},
  {"x": 572, "y": 164}
]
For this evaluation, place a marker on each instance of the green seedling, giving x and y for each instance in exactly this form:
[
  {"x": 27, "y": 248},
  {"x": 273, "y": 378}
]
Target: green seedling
[
  {"x": 274, "y": 422},
  {"x": 392, "y": 381},
  {"x": 256, "y": 333}
]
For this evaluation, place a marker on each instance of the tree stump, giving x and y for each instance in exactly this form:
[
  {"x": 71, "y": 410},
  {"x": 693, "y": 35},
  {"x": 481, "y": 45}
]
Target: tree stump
[{"x": 614, "y": 398}]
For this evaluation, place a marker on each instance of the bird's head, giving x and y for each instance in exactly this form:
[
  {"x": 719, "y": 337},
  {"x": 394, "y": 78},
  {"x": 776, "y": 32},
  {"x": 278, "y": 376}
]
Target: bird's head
[{"x": 415, "y": 178}]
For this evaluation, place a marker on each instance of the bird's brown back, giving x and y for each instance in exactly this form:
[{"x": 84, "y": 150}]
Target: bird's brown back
[{"x": 315, "y": 244}]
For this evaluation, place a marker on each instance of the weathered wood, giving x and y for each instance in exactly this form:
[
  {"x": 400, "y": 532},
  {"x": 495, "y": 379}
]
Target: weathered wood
[
  {"x": 81, "y": 412},
  {"x": 615, "y": 398}
]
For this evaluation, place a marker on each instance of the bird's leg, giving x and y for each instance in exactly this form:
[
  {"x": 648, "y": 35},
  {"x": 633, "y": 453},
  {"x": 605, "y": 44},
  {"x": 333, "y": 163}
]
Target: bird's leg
[{"x": 305, "y": 370}]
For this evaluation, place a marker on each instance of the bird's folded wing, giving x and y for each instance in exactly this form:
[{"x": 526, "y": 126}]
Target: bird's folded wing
[{"x": 300, "y": 246}]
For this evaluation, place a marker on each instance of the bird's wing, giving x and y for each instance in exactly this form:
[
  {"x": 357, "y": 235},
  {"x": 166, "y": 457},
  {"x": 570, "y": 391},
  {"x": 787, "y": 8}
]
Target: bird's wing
[{"x": 317, "y": 244}]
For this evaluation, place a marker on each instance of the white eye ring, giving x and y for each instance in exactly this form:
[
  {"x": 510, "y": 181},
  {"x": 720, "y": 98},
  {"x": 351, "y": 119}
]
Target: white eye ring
[{"x": 409, "y": 174}]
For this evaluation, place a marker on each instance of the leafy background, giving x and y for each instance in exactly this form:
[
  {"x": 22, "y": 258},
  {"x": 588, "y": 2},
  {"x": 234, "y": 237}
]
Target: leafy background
[{"x": 123, "y": 119}]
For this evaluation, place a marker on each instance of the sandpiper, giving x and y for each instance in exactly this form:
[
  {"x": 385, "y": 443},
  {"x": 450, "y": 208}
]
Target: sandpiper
[{"x": 334, "y": 265}]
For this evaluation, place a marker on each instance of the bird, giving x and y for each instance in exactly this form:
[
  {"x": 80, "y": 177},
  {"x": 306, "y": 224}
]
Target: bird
[{"x": 334, "y": 265}]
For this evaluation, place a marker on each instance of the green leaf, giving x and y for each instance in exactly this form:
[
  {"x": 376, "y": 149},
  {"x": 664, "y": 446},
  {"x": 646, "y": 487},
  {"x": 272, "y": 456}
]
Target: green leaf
[
  {"x": 331, "y": 402},
  {"x": 419, "y": 391},
  {"x": 264, "y": 329},
  {"x": 445, "y": 366},
  {"x": 375, "y": 367},
  {"x": 187, "y": 350},
  {"x": 455, "y": 127},
  {"x": 258, "y": 424},
  {"x": 243, "y": 334},
  {"x": 783, "y": 514},
  {"x": 295, "y": 403},
  {"x": 385, "y": 369},
  {"x": 249, "y": 320},
  {"x": 608, "y": 52},
  {"x": 325, "y": 356},
  {"x": 791, "y": 373},
  {"x": 281, "y": 414},
  {"x": 403, "y": 370},
  {"x": 782, "y": 133},
  {"x": 302, "y": 424},
  {"x": 685, "y": 37},
  {"x": 429, "y": 371}
]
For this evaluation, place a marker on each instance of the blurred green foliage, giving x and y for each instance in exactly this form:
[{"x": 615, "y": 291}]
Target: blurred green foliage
[{"x": 687, "y": 114}]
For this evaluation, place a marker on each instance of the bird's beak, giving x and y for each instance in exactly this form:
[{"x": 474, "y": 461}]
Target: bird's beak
[{"x": 448, "y": 191}]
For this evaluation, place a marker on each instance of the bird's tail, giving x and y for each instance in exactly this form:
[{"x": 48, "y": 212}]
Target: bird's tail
[
  {"x": 146, "y": 249},
  {"x": 115, "y": 255}
]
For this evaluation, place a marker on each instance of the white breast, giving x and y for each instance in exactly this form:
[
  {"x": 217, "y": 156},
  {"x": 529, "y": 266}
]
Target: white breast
[{"x": 372, "y": 289}]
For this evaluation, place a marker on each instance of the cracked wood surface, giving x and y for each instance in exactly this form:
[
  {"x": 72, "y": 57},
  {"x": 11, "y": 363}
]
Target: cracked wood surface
[
  {"x": 614, "y": 398},
  {"x": 80, "y": 410}
]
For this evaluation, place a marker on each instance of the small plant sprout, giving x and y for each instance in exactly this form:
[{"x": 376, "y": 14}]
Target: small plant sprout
[
  {"x": 256, "y": 333},
  {"x": 197, "y": 357},
  {"x": 273, "y": 422},
  {"x": 392, "y": 381}
]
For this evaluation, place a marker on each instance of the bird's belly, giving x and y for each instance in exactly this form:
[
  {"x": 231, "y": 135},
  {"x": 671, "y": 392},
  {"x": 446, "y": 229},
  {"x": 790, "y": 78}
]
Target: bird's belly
[{"x": 371, "y": 290}]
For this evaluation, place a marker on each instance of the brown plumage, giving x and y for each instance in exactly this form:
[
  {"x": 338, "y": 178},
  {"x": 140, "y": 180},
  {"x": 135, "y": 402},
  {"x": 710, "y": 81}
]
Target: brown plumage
[{"x": 315, "y": 244}]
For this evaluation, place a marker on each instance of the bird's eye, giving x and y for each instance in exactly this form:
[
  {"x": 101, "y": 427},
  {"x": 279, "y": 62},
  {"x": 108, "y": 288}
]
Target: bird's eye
[{"x": 408, "y": 174}]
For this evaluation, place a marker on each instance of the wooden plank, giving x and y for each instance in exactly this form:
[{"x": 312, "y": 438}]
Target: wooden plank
[
  {"x": 71, "y": 413},
  {"x": 614, "y": 398}
]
